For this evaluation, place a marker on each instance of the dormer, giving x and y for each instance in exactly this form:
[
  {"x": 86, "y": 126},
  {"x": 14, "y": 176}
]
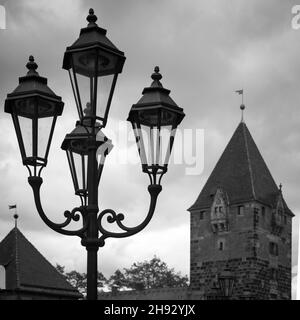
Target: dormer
[
  {"x": 278, "y": 216},
  {"x": 219, "y": 214}
]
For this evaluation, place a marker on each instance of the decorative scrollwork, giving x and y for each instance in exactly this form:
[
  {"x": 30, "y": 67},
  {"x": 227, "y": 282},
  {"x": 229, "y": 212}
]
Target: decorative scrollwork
[
  {"x": 113, "y": 217},
  {"x": 70, "y": 216}
]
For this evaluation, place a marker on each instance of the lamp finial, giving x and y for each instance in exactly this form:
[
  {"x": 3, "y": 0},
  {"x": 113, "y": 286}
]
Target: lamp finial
[
  {"x": 156, "y": 75},
  {"x": 92, "y": 18},
  {"x": 31, "y": 66}
]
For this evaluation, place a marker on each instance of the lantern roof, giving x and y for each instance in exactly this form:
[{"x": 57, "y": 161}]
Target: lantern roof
[
  {"x": 82, "y": 133},
  {"x": 33, "y": 85},
  {"x": 156, "y": 96},
  {"x": 93, "y": 37}
]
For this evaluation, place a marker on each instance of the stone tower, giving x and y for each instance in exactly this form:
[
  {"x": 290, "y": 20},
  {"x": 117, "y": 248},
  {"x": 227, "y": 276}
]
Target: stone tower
[{"x": 240, "y": 224}]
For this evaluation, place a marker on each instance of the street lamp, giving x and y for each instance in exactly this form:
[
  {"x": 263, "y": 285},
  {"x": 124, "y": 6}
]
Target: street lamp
[
  {"x": 226, "y": 283},
  {"x": 154, "y": 120},
  {"x": 93, "y": 61},
  {"x": 92, "y": 58},
  {"x": 34, "y": 109}
]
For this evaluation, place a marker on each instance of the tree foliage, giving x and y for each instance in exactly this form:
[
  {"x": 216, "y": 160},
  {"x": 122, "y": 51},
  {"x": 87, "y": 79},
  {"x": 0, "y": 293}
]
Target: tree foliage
[
  {"x": 151, "y": 274},
  {"x": 79, "y": 280}
]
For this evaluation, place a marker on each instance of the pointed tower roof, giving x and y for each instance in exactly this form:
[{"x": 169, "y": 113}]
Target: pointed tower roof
[
  {"x": 242, "y": 173},
  {"x": 27, "y": 270}
]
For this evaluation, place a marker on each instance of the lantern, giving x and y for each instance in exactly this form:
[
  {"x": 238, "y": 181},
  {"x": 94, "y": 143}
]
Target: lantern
[
  {"x": 93, "y": 62},
  {"x": 226, "y": 283},
  {"x": 34, "y": 108},
  {"x": 76, "y": 144},
  {"x": 154, "y": 120}
]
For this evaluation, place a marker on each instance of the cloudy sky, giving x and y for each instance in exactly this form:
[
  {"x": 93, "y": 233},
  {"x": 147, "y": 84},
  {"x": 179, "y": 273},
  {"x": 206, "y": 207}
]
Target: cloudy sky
[{"x": 206, "y": 49}]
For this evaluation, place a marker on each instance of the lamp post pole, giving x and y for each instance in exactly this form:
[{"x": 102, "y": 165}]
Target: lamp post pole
[
  {"x": 92, "y": 237},
  {"x": 91, "y": 58}
]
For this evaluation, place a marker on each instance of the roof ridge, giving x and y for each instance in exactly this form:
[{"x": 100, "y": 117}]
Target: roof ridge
[{"x": 248, "y": 159}]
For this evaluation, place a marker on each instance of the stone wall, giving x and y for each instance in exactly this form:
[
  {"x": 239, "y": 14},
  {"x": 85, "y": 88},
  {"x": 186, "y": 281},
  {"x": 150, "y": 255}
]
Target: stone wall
[{"x": 246, "y": 254}]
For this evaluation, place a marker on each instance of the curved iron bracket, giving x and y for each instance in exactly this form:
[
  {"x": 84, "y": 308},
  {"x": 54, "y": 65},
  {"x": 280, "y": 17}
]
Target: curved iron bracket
[
  {"x": 113, "y": 217},
  {"x": 35, "y": 183}
]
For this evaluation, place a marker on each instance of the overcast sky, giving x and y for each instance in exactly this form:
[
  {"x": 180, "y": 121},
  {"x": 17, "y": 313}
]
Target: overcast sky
[{"x": 206, "y": 49}]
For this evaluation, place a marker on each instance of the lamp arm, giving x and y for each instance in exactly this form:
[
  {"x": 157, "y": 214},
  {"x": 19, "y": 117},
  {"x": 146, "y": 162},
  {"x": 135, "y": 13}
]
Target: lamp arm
[
  {"x": 154, "y": 190},
  {"x": 35, "y": 183}
]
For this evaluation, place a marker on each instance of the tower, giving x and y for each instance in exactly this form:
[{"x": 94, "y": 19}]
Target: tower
[
  {"x": 241, "y": 224},
  {"x": 26, "y": 275}
]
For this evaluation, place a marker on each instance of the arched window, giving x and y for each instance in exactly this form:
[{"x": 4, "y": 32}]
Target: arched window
[{"x": 2, "y": 278}]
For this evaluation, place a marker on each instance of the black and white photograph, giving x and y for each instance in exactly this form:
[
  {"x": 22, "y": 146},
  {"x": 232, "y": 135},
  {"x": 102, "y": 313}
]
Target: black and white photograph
[{"x": 149, "y": 151}]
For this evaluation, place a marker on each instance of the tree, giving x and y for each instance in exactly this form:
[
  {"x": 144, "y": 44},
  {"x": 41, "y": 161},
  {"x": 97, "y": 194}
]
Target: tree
[
  {"x": 153, "y": 274},
  {"x": 79, "y": 280},
  {"x": 117, "y": 281}
]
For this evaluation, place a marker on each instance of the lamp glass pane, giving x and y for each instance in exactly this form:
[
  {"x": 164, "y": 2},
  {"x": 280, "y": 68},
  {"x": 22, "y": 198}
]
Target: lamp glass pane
[
  {"x": 82, "y": 93},
  {"x": 104, "y": 86},
  {"x": 91, "y": 85},
  {"x": 44, "y": 131},
  {"x": 26, "y": 132},
  {"x": 80, "y": 162}
]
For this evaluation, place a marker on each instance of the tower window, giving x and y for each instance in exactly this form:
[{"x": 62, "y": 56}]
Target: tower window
[
  {"x": 221, "y": 245},
  {"x": 256, "y": 215},
  {"x": 285, "y": 219},
  {"x": 263, "y": 211},
  {"x": 202, "y": 213},
  {"x": 240, "y": 210},
  {"x": 273, "y": 248}
]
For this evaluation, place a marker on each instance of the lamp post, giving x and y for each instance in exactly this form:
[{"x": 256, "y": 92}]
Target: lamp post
[
  {"x": 226, "y": 283},
  {"x": 91, "y": 60}
]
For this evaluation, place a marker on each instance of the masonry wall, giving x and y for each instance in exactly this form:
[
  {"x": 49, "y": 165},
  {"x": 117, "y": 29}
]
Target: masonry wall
[{"x": 246, "y": 254}]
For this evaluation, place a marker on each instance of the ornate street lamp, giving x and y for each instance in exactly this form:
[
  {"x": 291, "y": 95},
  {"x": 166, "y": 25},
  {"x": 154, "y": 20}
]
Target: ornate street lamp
[
  {"x": 34, "y": 108},
  {"x": 76, "y": 145},
  {"x": 226, "y": 283},
  {"x": 154, "y": 120},
  {"x": 93, "y": 61},
  {"x": 94, "y": 57}
]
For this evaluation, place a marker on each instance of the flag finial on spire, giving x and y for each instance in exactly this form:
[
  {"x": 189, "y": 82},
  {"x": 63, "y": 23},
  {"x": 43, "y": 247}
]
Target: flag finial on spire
[
  {"x": 16, "y": 216},
  {"x": 242, "y": 107}
]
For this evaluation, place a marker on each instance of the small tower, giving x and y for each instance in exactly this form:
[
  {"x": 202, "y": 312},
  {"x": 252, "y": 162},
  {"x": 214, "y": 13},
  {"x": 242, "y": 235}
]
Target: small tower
[
  {"x": 241, "y": 224},
  {"x": 26, "y": 275}
]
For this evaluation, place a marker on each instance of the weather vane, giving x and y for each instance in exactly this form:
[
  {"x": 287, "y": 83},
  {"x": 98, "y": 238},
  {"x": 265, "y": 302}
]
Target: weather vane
[
  {"x": 16, "y": 216},
  {"x": 242, "y": 107}
]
